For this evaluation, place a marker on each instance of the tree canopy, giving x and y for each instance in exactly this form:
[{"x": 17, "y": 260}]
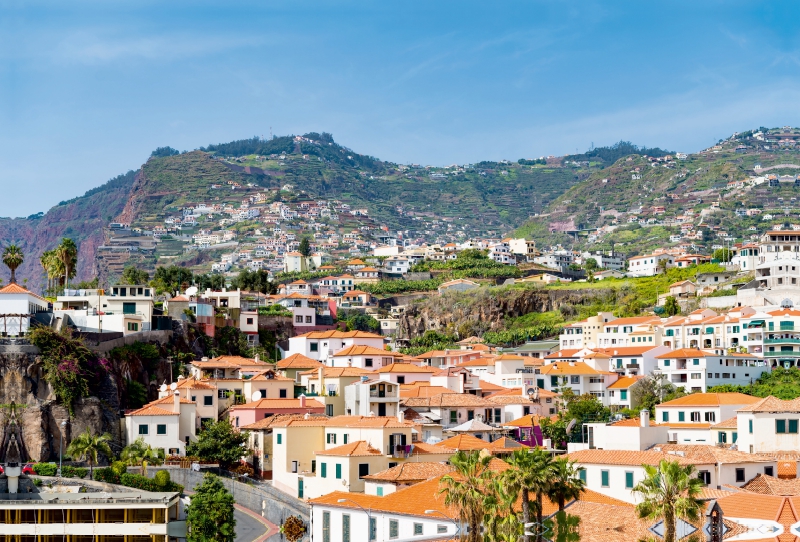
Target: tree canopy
[
  {"x": 219, "y": 442},
  {"x": 209, "y": 516}
]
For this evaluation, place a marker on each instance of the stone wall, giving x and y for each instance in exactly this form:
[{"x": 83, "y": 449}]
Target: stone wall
[
  {"x": 158, "y": 336},
  {"x": 261, "y": 498}
]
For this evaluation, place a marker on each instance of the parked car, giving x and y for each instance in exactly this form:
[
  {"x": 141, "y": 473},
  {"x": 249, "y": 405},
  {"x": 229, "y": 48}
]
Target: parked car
[{"x": 28, "y": 469}]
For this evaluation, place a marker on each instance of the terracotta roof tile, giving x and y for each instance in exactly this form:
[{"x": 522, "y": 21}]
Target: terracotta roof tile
[
  {"x": 400, "y": 367},
  {"x": 361, "y": 350},
  {"x": 625, "y": 382},
  {"x": 279, "y": 404},
  {"x": 152, "y": 411},
  {"x": 712, "y": 399},
  {"x": 769, "y": 485},
  {"x": 352, "y": 449},
  {"x": 346, "y": 421},
  {"x": 625, "y": 457},
  {"x": 446, "y": 400},
  {"x": 465, "y": 443},
  {"x": 772, "y": 404},
  {"x": 298, "y": 361},
  {"x": 410, "y": 472}
]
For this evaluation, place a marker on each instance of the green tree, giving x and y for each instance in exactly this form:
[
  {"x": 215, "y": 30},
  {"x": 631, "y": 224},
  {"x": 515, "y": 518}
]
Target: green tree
[
  {"x": 209, "y": 516},
  {"x": 87, "y": 446},
  {"x": 541, "y": 477},
  {"x": 722, "y": 254},
  {"x": 669, "y": 492},
  {"x": 518, "y": 479},
  {"x": 565, "y": 485},
  {"x": 13, "y": 258},
  {"x": 500, "y": 520},
  {"x": 133, "y": 275},
  {"x": 465, "y": 489},
  {"x": 305, "y": 247},
  {"x": 140, "y": 453},
  {"x": 585, "y": 408},
  {"x": 67, "y": 253},
  {"x": 219, "y": 442},
  {"x": 671, "y": 307},
  {"x": 653, "y": 390},
  {"x": 591, "y": 265},
  {"x": 563, "y": 527}
]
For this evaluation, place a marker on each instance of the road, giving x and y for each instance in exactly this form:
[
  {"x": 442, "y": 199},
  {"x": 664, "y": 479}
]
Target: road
[{"x": 248, "y": 528}]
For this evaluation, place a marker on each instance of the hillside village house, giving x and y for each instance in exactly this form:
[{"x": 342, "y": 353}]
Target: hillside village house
[
  {"x": 372, "y": 397},
  {"x": 364, "y": 357},
  {"x": 168, "y": 424},
  {"x": 690, "y": 417},
  {"x": 322, "y": 345},
  {"x": 327, "y": 385},
  {"x": 768, "y": 425},
  {"x": 123, "y": 308},
  {"x": 250, "y": 412},
  {"x": 17, "y": 306},
  {"x": 649, "y": 265},
  {"x": 584, "y": 334},
  {"x": 697, "y": 370}
]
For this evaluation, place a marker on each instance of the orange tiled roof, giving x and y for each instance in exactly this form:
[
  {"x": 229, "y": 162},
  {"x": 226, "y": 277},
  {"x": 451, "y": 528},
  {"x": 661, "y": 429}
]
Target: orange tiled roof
[
  {"x": 152, "y": 411},
  {"x": 712, "y": 399},
  {"x": 298, "y": 361},
  {"x": 772, "y": 404},
  {"x": 730, "y": 423},
  {"x": 333, "y": 334},
  {"x": 625, "y": 382},
  {"x": 338, "y": 372},
  {"x": 626, "y": 350},
  {"x": 769, "y": 485},
  {"x": 410, "y": 472},
  {"x": 505, "y": 444},
  {"x": 358, "y": 448},
  {"x": 706, "y": 454},
  {"x": 411, "y": 390},
  {"x": 169, "y": 400},
  {"x": 401, "y": 367},
  {"x": 570, "y": 368},
  {"x": 447, "y": 400},
  {"x": 229, "y": 362},
  {"x": 346, "y": 421},
  {"x": 268, "y": 423},
  {"x": 685, "y": 353},
  {"x": 279, "y": 404},
  {"x": 356, "y": 350},
  {"x": 625, "y": 457},
  {"x": 192, "y": 383},
  {"x": 465, "y": 443},
  {"x": 15, "y": 288}
]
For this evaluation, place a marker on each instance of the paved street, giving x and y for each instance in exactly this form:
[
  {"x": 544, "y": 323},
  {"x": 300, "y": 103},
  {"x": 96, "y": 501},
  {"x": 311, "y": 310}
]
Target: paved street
[{"x": 248, "y": 528}]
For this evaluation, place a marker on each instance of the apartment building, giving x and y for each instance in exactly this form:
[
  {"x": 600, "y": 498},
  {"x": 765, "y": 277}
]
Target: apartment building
[
  {"x": 697, "y": 370},
  {"x": 584, "y": 334},
  {"x": 690, "y": 417},
  {"x": 322, "y": 345}
]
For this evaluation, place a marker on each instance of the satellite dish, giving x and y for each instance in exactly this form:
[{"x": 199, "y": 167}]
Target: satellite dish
[
  {"x": 256, "y": 396},
  {"x": 163, "y": 387},
  {"x": 191, "y": 290},
  {"x": 571, "y": 425},
  {"x": 173, "y": 386}
]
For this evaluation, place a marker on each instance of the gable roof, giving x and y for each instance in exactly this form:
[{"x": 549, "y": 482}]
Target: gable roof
[
  {"x": 464, "y": 442},
  {"x": 625, "y": 382},
  {"x": 14, "y": 288},
  {"x": 403, "y": 367},
  {"x": 298, "y": 361},
  {"x": 446, "y": 400},
  {"x": 279, "y": 404},
  {"x": 772, "y": 404},
  {"x": 352, "y": 449},
  {"x": 361, "y": 350},
  {"x": 410, "y": 472},
  {"x": 712, "y": 399}
]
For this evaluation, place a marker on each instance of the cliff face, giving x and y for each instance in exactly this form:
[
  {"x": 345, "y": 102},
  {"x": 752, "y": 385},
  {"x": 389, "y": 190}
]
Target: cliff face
[
  {"x": 483, "y": 311},
  {"x": 25, "y": 394}
]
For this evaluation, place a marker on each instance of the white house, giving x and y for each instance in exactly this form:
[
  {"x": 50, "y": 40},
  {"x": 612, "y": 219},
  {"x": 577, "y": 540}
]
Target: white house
[
  {"x": 17, "y": 305},
  {"x": 321, "y": 345},
  {"x": 648, "y": 265},
  {"x": 168, "y": 423},
  {"x": 697, "y": 370},
  {"x": 769, "y": 425},
  {"x": 690, "y": 417}
]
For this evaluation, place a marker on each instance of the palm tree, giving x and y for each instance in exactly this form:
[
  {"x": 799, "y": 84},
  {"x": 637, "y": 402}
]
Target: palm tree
[
  {"x": 13, "y": 258},
  {"x": 500, "y": 520},
  {"x": 87, "y": 446},
  {"x": 518, "y": 479},
  {"x": 541, "y": 475},
  {"x": 669, "y": 491},
  {"x": 565, "y": 485},
  {"x": 140, "y": 453},
  {"x": 52, "y": 267},
  {"x": 464, "y": 490},
  {"x": 67, "y": 253}
]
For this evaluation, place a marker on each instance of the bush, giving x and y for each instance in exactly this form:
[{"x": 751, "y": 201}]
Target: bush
[
  {"x": 148, "y": 484},
  {"x": 107, "y": 475},
  {"x": 119, "y": 468},
  {"x": 45, "y": 469},
  {"x": 37, "y": 482},
  {"x": 68, "y": 471},
  {"x": 162, "y": 479}
]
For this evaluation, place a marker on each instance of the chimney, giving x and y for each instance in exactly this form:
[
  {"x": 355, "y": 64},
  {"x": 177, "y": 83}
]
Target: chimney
[
  {"x": 401, "y": 416},
  {"x": 302, "y": 401},
  {"x": 176, "y": 401},
  {"x": 644, "y": 418},
  {"x": 321, "y": 378},
  {"x": 256, "y": 358}
]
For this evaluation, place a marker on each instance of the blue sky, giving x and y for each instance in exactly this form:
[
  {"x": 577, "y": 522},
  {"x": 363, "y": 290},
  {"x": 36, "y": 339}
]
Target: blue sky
[{"x": 87, "y": 91}]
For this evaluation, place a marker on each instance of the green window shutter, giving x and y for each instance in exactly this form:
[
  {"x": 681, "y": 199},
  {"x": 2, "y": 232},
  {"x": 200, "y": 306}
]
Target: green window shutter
[
  {"x": 338, "y": 471},
  {"x": 792, "y": 426},
  {"x": 696, "y": 361},
  {"x": 750, "y": 426},
  {"x": 323, "y": 470},
  {"x": 709, "y": 330},
  {"x": 735, "y": 436},
  {"x": 453, "y": 416},
  {"x": 280, "y": 438},
  {"x": 780, "y": 426},
  {"x": 540, "y": 383},
  {"x": 346, "y": 528},
  {"x": 628, "y": 480},
  {"x": 326, "y": 527},
  {"x": 393, "y": 528},
  {"x": 328, "y": 437},
  {"x": 554, "y": 381},
  {"x": 373, "y": 523},
  {"x": 771, "y": 326},
  {"x": 665, "y": 416},
  {"x": 345, "y": 439},
  {"x": 582, "y": 475},
  {"x": 721, "y": 437},
  {"x": 681, "y": 416},
  {"x": 623, "y": 394},
  {"x": 670, "y": 333},
  {"x": 380, "y": 492},
  {"x": 604, "y": 478},
  {"x": 666, "y": 363}
]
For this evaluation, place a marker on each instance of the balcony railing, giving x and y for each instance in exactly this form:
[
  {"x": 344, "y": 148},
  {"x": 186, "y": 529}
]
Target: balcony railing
[
  {"x": 783, "y": 341},
  {"x": 784, "y": 354}
]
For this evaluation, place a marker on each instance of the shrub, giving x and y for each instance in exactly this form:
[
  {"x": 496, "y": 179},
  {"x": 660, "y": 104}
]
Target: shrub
[
  {"x": 107, "y": 475},
  {"x": 68, "y": 471},
  {"x": 162, "y": 479},
  {"x": 45, "y": 469},
  {"x": 148, "y": 484},
  {"x": 37, "y": 482},
  {"x": 119, "y": 468}
]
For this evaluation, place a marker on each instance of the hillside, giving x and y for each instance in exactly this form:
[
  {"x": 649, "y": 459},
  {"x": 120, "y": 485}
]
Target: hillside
[{"x": 638, "y": 203}]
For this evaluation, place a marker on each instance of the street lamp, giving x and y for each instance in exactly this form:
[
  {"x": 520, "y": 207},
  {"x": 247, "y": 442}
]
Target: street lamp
[
  {"x": 453, "y": 521},
  {"x": 367, "y": 512},
  {"x": 61, "y": 447}
]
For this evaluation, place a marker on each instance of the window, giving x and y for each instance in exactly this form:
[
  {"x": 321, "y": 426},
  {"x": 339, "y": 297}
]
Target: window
[
  {"x": 723, "y": 437},
  {"x": 665, "y": 416},
  {"x": 705, "y": 476},
  {"x": 363, "y": 469},
  {"x": 208, "y": 400},
  {"x": 368, "y": 362},
  {"x": 345, "y": 527},
  {"x": 696, "y": 376},
  {"x": 313, "y": 347},
  {"x": 401, "y": 380},
  {"x": 740, "y": 475},
  {"x": 380, "y": 492},
  {"x": 453, "y": 416},
  {"x": 780, "y": 426},
  {"x": 681, "y": 416},
  {"x": 308, "y": 320},
  {"x": 769, "y": 471},
  {"x": 604, "y": 478},
  {"x": 373, "y": 526},
  {"x": 249, "y": 321},
  {"x": 298, "y": 319},
  {"x": 623, "y": 395},
  {"x": 750, "y": 426},
  {"x": 441, "y": 529},
  {"x": 554, "y": 381},
  {"x": 734, "y": 436},
  {"x": 161, "y": 429},
  {"x": 574, "y": 380},
  {"x": 129, "y": 308},
  {"x": 282, "y": 394},
  {"x": 393, "y": 528},
  {"x": 711, "y": 417},
  {"x": 695, "y": 417},
  {"x": 331, "y": 438},
  {"x": 143, "y": 429},
  {"x": 470, "y": 414},
  {"x": 280, "y": 438},
  {"x": 326, "y": 527},
  {"x": 329, "y": 410},
  {"x": 417, "y": 529},
  {"x": 792, "y": 426},
  {"x": 323, "y": 470},
  {"x": 666, "y": 363},
  {"x": 582, "y": 475},
  {"x": 132, "y": 326},
  {"x": 338, "y": 471}
]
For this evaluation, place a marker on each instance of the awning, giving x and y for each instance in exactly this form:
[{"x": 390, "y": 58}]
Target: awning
[{"x": 756, "y": 323}]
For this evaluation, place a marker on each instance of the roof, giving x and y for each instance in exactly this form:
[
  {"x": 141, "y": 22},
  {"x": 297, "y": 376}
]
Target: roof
[
  {"x": 685, "y": 353},
  {"x": 570, "y": 368},
  {"x": 334, "y": 334},
  {"x": 298, "y": 361},
  {"x": 509, "y": 357},
  {"x": 528, "y": 420},
  {"x": 338, "y": 372},
  {"x": 769, "y": 485},
  {"x": 192, "y": 383},
  {"x": 279, "y": 404},
  {"x": 273, "y": 376},
  {"x": 772, "y": 404},
  {"x": 346, "y": 421},
  {"x": 352, "y": 449},
  {"x": 361, "y": 350},
  {"x": 631, "y": 422},
  {"x": 269, "y": 422},
  {"x": 149, "y": 410},
  {"x": 413, "y": 390},
  {"x": 410, "y": 472},
  {"x": 402, "y": 367},
  {"x": 706, "y": 454},
  {"x": 730, "y": 423},
  {"x": 625, "y": 457},
  {"x": 464, "y": 442},
  {"x": 15, "y": 288},
  {"x": 229, "y": 362},
  {"x": 626, "y": 350},
  {"x": 712, "y": 399},
  {"x": 169, "y": 400},
  {"x": 447, "y": 400},
  {"x": 625, "y": 382},
  {"x": 505, "y": 444}
]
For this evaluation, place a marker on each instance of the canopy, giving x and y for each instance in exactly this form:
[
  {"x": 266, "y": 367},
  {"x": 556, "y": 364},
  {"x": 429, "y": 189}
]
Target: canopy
[{"x": 472, "y": 426}]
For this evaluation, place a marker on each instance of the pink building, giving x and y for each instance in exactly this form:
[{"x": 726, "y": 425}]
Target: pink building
[{"x": 264, "y": 408}]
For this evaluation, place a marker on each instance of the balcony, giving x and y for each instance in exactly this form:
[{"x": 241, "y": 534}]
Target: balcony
[
  {"x": 785, "y": 354},
  {"x": 781, "y": 341},
  {"x": 632, "y": 366}
]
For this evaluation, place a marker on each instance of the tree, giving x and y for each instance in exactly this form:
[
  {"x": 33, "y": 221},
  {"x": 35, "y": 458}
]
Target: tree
[
  {"x": 669, "y": 492},
  {"x": 585, "y": 408},
  {"x": 13, "y": 258},
  {"x": 219, "y": 442},
  {"x": 518, "y": 479},
  {"x": 132, "y": 275},
  {"x": 209, "y": 516},
  {"x": 565, "y": 485},
  {"x": 722, "y": 254},
  {"x": 87, "y": 446},
  {"x": 541, "y": 477},
  {"x": 141, "y": 453},
  {"x": 563, "y": 527},
  {"x": 305, "y": 247},
  {"x": 591, "y": 265},
  {"x": 500, "y": 520},
  {"x": 671, "y": 307},
  {"x": 67, "y": 253},
  {"x": 464, "y": 490},
  {"x": 653, "y": 390}
]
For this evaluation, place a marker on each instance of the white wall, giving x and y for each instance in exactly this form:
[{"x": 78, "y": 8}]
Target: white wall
[{"x": 359, "y": 525}]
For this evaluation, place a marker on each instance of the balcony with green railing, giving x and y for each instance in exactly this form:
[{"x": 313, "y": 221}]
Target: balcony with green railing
[
  {"x": 781, "y": 341},
  {"x": 784, "y": 354}
]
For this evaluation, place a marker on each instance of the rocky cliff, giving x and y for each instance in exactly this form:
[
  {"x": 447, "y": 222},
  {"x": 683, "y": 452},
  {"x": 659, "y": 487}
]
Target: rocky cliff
[{"x": 475, "y": 312}]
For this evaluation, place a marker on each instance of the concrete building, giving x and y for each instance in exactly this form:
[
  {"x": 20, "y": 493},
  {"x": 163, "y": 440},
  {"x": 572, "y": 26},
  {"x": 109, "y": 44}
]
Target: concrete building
[
  {"x": 17, "y": 306},
  {"x": 168, "y": 424},
  {"x": 124, "y": 308}
]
